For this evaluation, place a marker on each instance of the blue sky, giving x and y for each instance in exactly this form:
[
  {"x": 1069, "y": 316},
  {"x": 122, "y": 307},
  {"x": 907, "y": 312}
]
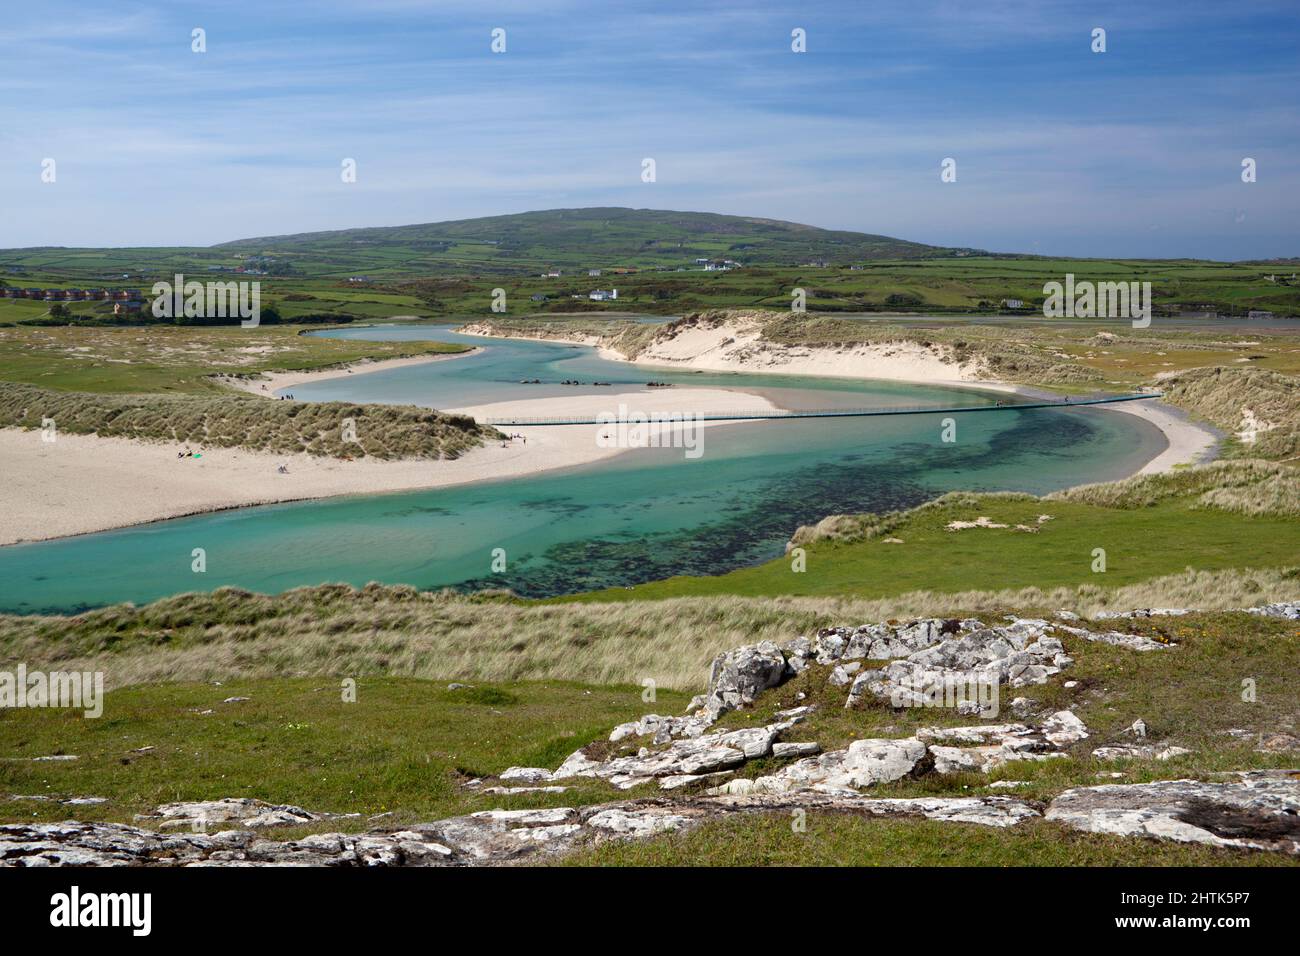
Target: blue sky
[{"x": 1133, "y": 152}]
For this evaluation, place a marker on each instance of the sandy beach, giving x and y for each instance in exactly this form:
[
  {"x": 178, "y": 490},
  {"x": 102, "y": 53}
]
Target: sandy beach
[
  {"x": 266, "y": 384},
  {"x": 1188, "y": 442},
  {"x": 735, "y": 347},
  {"x": 83, "y": 483}
]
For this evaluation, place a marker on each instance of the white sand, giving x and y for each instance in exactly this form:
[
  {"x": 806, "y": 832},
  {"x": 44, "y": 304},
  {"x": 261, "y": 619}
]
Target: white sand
[
  {"x": 737, "y": 347},
  {"x": 1189, "y": 443},
  {"x": 83, "y": 483},
  {"x": 734, "y": 346},
  {"x": 677, "y": 400},
  {"x": 266, "y": 384}
]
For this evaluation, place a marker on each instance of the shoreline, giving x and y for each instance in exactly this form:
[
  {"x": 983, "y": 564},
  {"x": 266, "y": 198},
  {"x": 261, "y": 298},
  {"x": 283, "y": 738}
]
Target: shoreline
[
  {"x": 1187, "y": 442},
  {"x": 85, "y": 484},
  {"x": 266, "y": 384}
]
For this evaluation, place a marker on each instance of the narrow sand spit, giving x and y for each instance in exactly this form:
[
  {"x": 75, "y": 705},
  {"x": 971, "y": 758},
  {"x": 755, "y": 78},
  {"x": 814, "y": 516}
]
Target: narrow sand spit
[
  {"x": 266, "y": 384},
  {"x": 737, "y": 347},
  {"x": 83, "y": 483}
]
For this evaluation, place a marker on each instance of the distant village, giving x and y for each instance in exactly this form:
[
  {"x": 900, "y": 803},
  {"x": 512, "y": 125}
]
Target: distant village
[
  {"x": 609, "y": 295},
  {"x": 123, "y": 300}
]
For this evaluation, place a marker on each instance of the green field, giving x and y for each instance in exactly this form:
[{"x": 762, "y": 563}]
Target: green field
[
  {"x": 846, "y": 840},
  {"x": 1140, "y": 543},
  {"x": 405, "y": 747},
  {"x": 168, "y": 358},
  {"x": 453, "y": 267}
]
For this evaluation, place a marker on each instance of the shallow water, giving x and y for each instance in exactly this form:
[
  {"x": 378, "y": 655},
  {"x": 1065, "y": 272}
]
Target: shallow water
[{"x": 644, "y": 515}]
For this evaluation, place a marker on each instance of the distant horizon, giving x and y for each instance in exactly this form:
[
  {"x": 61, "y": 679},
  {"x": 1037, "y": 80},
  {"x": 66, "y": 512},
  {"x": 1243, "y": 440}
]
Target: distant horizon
[
  {"x": 977, "y": 253},
  {"x": 1060, "y": 151}
]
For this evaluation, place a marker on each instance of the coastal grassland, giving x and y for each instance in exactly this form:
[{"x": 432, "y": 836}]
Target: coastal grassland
[
  {"x": 832, "y": 839},
  {"x": 340, "y": 631},
  {"x": 1229, "y": 515},
  {"x": 241, "y": 421},
  {"x": 1037, "y": 351},
  {"x": 1259, "y": 407},
  {"x": 1189, "y": 694},
  {"x": 403, "y": 747},
  {"x": 936, "y": 286},
  {"x": 406, "y": 746},
  {"x": 619, "y": 334},
  {"x": 176, "y": 359},
  {"x": 1243, "y": 486}
]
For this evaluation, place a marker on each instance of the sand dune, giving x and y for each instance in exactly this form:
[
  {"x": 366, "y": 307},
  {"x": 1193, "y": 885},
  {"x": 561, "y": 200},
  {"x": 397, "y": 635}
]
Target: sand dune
[{"x": 738, "y": 347}]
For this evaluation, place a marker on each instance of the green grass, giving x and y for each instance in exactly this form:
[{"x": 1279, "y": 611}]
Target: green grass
[
  {"x": 843, "y": 840},
  {"x": 403, "y": 746},
  {"x": 1140, "y": 543},
  {"x": 168, "y": 358},
  {"x": 336, "y": 630},
  {"x": 453, "y": 267},
  {"x": 1190, "y": 694}
]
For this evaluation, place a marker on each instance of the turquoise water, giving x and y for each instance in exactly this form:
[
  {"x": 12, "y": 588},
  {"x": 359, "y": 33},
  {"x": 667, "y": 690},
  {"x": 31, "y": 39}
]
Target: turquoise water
[
  {"x": 646, "y": 514},
  {"x": 495, "y": 374}
]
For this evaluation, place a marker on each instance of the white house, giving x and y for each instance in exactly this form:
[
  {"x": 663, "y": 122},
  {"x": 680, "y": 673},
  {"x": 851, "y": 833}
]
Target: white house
[
  {"x": 1013, "y": 303},
  {"x": 603, "y": 295},
  {"x": 593, "y": 272}
]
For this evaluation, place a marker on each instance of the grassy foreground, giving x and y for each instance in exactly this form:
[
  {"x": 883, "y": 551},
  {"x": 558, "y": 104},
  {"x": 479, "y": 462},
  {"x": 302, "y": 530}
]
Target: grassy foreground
[
  {"x": 403, "y": 748},
  {"x": 403, "y": 745},
  {"x": 338, "y": 631},
  {"x": 843, "y": 840}
]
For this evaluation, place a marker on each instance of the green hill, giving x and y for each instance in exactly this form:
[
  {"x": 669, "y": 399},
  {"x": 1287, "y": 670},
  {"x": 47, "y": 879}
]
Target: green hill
[{"x": 598, "y": 237}]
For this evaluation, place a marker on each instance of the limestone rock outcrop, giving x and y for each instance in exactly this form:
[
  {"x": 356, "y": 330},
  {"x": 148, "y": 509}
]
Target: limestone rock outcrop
[{"x": 1258, "y": 809}]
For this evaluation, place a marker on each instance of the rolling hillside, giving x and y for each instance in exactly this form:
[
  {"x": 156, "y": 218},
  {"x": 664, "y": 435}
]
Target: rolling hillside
[{"x": 591, "y": 237}]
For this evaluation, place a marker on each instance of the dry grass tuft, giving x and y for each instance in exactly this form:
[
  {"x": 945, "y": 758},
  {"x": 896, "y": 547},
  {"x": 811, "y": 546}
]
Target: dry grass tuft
[
  {"x": 1243, "y": 486},
  {"x": 382, "y": 431},
  {"x": 336, "y": 630},
  {"x": 1231, "y": 397}
]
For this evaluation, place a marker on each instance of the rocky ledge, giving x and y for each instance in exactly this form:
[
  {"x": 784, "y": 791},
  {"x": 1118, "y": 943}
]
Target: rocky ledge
[{"x": 1259, "y": 810}]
